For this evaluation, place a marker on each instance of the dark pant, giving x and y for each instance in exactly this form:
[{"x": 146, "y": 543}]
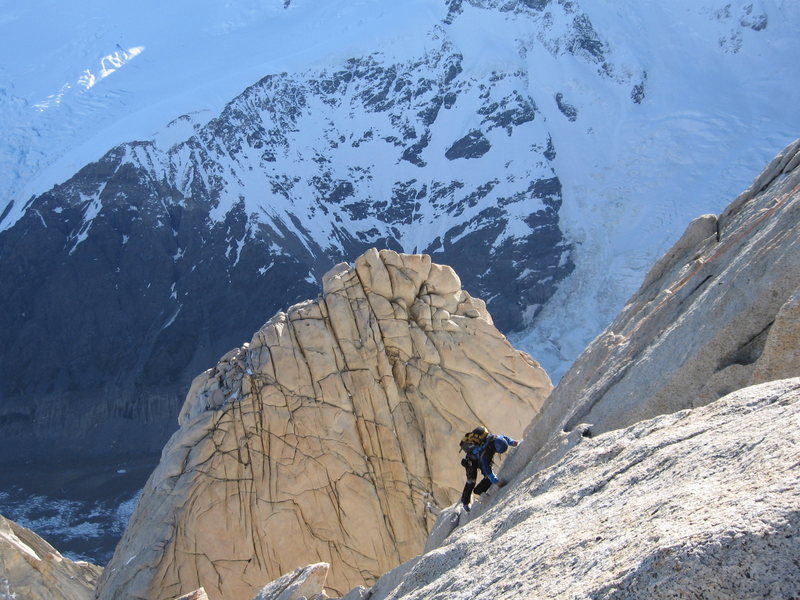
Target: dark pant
[{"x": 471, "y": 467}]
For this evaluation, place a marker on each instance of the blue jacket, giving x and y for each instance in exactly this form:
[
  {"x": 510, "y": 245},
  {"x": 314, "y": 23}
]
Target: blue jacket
[{"x": 485, "y": 453}]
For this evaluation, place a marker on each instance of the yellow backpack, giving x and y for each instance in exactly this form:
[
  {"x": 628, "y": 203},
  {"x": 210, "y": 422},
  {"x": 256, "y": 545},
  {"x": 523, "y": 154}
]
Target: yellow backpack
[{"x": 473, "y": 439}]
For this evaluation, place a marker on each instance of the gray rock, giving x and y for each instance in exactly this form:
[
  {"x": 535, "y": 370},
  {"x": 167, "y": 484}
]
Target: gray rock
[
  {"x": 448, "y": 520},
  {"x": 698, "y": 503},
  {"x": 357, "y": 593},
  {"x": 303, "y": 583}
]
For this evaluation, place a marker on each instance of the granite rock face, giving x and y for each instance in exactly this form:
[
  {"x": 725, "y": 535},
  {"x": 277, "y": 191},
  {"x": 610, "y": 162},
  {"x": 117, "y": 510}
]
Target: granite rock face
[
  {"x": 699, "y": 503},
  {"x": 328, "y": 438},
  {"x": 717, "y": 313},
  {"x": 31, "y": 569}
]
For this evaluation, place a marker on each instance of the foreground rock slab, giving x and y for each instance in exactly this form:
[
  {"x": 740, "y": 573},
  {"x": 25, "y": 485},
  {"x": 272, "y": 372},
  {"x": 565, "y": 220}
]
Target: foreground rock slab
[
  {"x": 31, "y": 569},
  {"x": 330, "y": 437},
  {"x": 701, "y": 503}
]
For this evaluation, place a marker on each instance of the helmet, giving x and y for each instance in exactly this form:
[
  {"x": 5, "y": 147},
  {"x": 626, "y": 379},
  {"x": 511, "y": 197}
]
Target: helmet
[
  {"x": 480, "y": 430},
  {"x": 500, "y": 445}
]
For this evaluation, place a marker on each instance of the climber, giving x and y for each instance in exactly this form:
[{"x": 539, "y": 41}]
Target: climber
[{"x": 481, "y": 446}]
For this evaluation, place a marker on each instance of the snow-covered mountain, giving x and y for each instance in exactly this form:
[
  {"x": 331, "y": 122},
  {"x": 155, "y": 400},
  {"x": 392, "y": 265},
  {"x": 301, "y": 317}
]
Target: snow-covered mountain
[{"x": 162, "y": 162}]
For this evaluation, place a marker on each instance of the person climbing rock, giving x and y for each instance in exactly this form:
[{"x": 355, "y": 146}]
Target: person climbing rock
[{"x": 480, "y": 447}]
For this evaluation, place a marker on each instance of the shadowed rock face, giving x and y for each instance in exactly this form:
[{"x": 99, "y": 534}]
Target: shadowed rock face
[
  {"x": 32, "y": 569},
  {"x": 718, "y": 312},
  {"x": 327, "y": 438}
]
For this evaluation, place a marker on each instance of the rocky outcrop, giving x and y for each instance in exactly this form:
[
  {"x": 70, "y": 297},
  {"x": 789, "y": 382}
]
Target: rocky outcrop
[
  {"x": 329, "y": 437},
  {"x": 698, "y": 503},
  {"x": 32, "y": 569},
  {"x": 717, "y": 313}
]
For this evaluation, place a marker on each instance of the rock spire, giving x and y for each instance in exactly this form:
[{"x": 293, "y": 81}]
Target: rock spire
[{"x": 330, "y": 437}]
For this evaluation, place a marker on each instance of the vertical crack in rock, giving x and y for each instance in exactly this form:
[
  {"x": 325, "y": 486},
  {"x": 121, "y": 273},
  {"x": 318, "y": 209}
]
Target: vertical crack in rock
[{"x": 327, "y": 437}]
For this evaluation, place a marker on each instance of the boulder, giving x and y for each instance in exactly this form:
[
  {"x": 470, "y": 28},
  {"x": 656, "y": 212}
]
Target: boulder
[
  {"x": 32, "y": 569},
  {"x": 198, "y": 594},
  {"x": 330, "y": 437},
  {"x": 305, "y": 583},
  {"x": 700, "y": 503},
  {"x": 717, "y": 313}
]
